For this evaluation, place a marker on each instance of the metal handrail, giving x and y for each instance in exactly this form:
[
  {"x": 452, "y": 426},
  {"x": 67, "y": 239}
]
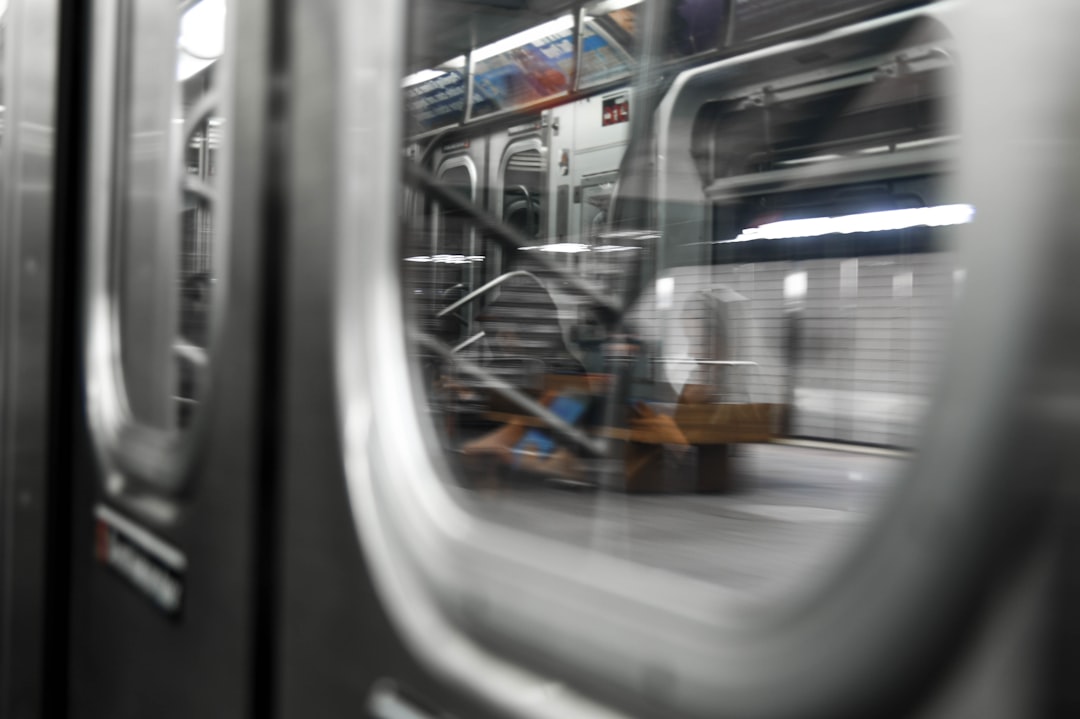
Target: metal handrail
[
  {"x": 590, "y": 445},
  {"x": 475, "y": 338},
  {"x": 484, "y": 289}
]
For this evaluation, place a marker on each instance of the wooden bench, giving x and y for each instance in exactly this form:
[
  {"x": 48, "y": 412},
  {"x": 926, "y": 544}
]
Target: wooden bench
[{"x": 711, "y": 427}]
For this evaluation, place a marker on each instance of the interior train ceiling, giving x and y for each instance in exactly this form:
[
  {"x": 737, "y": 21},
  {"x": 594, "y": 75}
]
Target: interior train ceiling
[{"x": 442, "y": 29}]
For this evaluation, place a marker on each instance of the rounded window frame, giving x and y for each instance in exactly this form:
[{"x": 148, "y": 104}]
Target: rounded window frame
[
  {"x": 136, "y": 460},
  {"x": 464, "y": 592}
]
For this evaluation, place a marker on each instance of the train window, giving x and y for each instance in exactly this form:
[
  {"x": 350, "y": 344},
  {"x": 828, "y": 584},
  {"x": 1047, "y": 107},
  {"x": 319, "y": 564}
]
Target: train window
[
  {"x": 611, "y": 35},
  {"x": 783, "y": 323},
  {"x": 167, "y": 273},
  {"x": 201, "y": 43},
  {"x": 523, "y": 177},
  {"x": 447, "y": 263},
  {"x": 686, "y": 421},
  {"x": 609, "y": 41},
  {"x": 696, "y": 27},
  {"x": 160, "y": 253}
]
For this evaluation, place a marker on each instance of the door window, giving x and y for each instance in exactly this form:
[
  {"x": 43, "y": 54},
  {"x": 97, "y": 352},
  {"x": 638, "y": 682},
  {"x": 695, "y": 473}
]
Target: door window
[
  {"x": 651, "y": 465},
  {"x": 157, "y": 247}
]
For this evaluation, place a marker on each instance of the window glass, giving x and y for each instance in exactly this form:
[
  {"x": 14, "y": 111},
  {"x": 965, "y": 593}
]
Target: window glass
[
  {"x": 729, "y": 387},
  {"x": 612, "y": 35},
  {"x": 609, "y": 41},
  {"x": 757, "y": 18},
  {"x": 168, "y": 147},
  {"x": 523, "y": 192},
  {"x": 447, "y": 264},
  {"x": 696, "y": 26},
  {"x": 524, "y": 68}
]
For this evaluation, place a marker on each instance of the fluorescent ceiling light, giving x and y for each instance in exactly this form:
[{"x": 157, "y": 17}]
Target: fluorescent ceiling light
[
  {"x": 563, "y": 247},
  {"x": 454, "y": 63},
  {"x": 911, "y": 144},
  {"x": 575, "y": 247},
  {"x": 202, "y": 37},
  {"x": 809, "y": 160},
  {"x": 423, "y": 76},
  {"x": 883, "y": 221},
  {"x": 559, "y": 24},
  {"x": 447, "y": 259},
  {"x": 636, "y": 235}
]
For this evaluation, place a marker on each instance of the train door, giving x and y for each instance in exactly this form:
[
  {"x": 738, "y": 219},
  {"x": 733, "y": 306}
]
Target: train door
[
  {"x": 426, "y": 577},
  {"x": 30, "y": 64},
  {"x": 170, "y": 487},
  {"x": 519, "y": 168},
  {"x": 463, "y": 259}
]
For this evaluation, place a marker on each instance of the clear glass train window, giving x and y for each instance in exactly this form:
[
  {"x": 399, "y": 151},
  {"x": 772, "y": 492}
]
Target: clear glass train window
[
  {"x": 611, "y": 35},
  {"x": 523, "y": 192},
  {"x": 696, "y": 26},
  {"x": 168, "y": 150},
  {"x": 447, "y": 267},
  {"x": 729, "y": 387},
  {"x": 609, "y": 41}
]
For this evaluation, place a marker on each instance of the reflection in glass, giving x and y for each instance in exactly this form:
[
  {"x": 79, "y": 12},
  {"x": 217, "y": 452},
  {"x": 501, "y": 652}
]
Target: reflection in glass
[
  {"x": 196, "y": 269},
  {"x": 169, "y": 140},
  {"x": 523, "y": 192},
  {"x": 731, "y": 385},
  {"x": 201, "y": 43},
  {"x": 609, "y": 41},
  {"x": 524, "y": 68}
]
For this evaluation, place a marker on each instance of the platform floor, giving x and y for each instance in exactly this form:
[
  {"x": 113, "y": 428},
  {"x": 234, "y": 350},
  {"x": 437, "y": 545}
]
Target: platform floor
[{"x": 797, "y": 510}]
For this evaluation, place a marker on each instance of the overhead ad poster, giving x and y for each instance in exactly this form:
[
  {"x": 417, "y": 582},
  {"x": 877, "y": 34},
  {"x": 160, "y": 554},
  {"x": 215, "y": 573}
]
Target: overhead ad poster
[{"x": 514, "y": 78}]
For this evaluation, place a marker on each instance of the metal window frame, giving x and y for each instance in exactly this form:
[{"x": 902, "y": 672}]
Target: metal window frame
[
  {"x": 538, "y": 629},
  {"x": 139, "y": 463}
]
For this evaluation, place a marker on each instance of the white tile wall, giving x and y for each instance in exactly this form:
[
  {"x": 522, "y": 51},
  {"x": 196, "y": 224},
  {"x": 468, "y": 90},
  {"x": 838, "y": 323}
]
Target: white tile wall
[{"x": 871, "y": 336}]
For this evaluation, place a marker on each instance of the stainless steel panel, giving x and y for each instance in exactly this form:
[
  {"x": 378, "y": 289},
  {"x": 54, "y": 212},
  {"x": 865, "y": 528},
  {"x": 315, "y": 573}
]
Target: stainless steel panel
[
  {"x": 31, "y": 48},
  {"x": 457, "y": 587},
  {"x": 127, "y": 657}
]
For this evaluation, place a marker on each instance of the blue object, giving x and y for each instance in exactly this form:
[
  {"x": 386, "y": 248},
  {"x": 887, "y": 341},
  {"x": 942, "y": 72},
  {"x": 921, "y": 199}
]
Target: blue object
[{"x": 568, "y": 409}]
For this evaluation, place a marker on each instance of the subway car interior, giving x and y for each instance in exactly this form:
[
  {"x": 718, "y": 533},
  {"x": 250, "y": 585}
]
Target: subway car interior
[{"x": 539, "y": 359}]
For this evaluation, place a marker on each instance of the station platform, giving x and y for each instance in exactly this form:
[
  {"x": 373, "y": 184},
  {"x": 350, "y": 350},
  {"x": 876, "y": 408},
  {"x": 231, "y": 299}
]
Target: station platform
[{"x": 795, "y": 509}]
